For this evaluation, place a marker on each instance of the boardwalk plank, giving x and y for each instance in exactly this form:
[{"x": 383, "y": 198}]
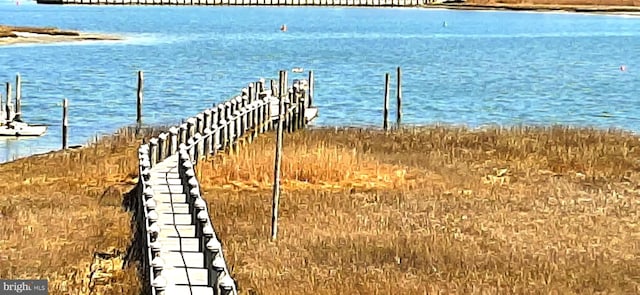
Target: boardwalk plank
[
  {"x": 180, "y": 244},
  {"x": 184, "y": 231},
  {"x": 167, "y": 207},
  {"x": 171, "y": 218},
  {"x": 169, "y": 197}
]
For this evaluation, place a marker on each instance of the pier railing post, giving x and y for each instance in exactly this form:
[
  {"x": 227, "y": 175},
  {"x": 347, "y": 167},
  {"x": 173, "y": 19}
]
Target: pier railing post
[
  {"x": 275, "y": 94},
  {"x": 206, "y": 151},
  {"x": 162, "y": 146},
  {"x": 183, "y": 164},
  {"x": 173, "y": 140},
  {"x": 236, "y": 122},
  {"x": 191, "y": 149},
  {"x": 296, "y": 110},
  {"x": 206, "y": 120},
  {"x": 215, "y": 125},
  {"x": 222, "y": 124},
  {"x": 230, "y": 125},
  {"x": 153, "y": 151},
  {"x": 183, "y": 134},
  {"x": 191, "y": 127},
  {"x": 242, "y": 125},
  {"x": 251, "y": 97},
  {"x": 303, "y": 109},
  {"x": 289, "y": 115},
  {"x": 199, "y": 147},
  {"x": 199, "y": 126}
]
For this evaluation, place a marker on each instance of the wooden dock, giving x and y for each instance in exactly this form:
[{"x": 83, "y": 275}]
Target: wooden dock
[
  {"x": 362, "y": 3},
  {"x": 181, "y": 251},
  {"x": 182, "y": 258}
]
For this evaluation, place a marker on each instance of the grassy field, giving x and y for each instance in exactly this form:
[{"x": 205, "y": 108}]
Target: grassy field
[
  {"x": 430, "y": 211},
  {"x": 62, "y": 218},
  {"x": 569, "y": 3},
  {"x": 437, "y": 210}
]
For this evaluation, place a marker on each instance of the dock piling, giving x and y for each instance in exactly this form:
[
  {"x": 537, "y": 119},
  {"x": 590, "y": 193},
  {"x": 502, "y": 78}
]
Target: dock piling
[
  {"x": 278, "y": 157},
  {"x": 385, "y": 111},
  {"x": 139, "y": 100},
  {"x": 3, "y": 117},
  {"x": 399, "y": 98},
  {"x": 311, "y": 84},
  {"x": 9, "y": 106},
  {"x": 65, "y": 123},
  {"x": 18, "y": 96}
]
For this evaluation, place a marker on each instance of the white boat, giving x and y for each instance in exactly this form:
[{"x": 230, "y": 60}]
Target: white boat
[{"x": 15, "y": 128}]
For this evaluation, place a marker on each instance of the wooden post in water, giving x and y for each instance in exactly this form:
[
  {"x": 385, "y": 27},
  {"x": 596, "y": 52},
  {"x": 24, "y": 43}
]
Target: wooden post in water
[
  {"x": 399, "y": 98},
  {"x": 65, "y": 123},
  {"x": 9, "y": 105},
  {"x": 18, "y": 96},
  {"x": 139, "y": 100},
  {"x": 310, "y": 96},
  {"x": 385, "y": 111},
  {"x": 3, "y": 117},
  {"x": 278, "y": 161}
]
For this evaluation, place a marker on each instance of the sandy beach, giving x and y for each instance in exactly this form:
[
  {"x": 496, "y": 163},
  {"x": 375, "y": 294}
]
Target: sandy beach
[{"x": 19, "y": 35}]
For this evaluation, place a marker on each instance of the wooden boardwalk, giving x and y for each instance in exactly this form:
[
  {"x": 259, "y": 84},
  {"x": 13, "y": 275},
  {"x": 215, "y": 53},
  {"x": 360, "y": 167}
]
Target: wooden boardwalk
[
  {"x": 183, "y": 259},
  {"x": 182, "y": 253}
]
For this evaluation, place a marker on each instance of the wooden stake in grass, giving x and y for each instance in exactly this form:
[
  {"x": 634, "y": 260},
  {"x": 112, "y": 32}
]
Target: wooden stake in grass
[
  {"x": 139, "y": 101},
  {"x": 399, "y": 98},
  {"x": 65, "y": 123},
  {"x": 278, "y": 158},
  {"x": 385, "y": 111}
]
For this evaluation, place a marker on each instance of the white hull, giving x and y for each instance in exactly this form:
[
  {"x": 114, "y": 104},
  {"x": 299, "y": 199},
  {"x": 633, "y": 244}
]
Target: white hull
[{"x": 28, "y": 130}]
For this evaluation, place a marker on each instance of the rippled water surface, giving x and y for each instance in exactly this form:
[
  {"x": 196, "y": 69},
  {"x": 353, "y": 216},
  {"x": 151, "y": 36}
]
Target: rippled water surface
[{"x": 502, "y": 68}]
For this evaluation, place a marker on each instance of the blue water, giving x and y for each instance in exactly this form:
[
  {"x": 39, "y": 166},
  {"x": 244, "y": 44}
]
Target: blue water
[{"x": 502, "y": 68}]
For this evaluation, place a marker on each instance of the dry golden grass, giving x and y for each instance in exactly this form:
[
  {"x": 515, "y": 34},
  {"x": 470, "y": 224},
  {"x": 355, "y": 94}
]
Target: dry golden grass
[
  {"x": 60, "y": 210},
  {"x": 568, "y": 4},
  {"x": 433, "y": 211}
]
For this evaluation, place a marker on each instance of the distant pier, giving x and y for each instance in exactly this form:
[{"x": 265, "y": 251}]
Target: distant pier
[{"x": 369, "y": 3}]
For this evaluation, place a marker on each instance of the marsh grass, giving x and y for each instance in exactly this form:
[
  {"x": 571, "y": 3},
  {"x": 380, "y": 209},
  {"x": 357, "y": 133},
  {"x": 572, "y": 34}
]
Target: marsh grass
[
  {"x": 587, "y": 4},
  {"x": 62, "y": 218},
  {"x": 436, "y": 210}
]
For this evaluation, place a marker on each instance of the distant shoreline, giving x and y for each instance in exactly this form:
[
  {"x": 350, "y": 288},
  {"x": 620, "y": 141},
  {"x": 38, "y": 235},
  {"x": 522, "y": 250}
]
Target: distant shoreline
[
  {"x": 593, "y": 9},
  {"x": 10, "y": 35}
]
